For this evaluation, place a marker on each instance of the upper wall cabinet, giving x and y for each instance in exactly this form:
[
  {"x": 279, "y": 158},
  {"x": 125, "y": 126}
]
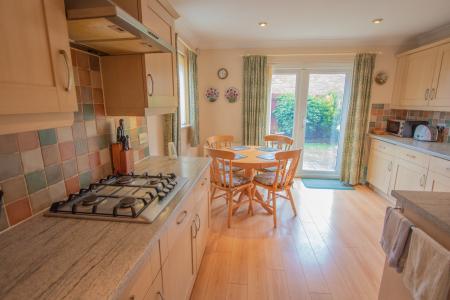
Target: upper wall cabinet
[
  {"x": 423, "y": 78},
  {"x": 144, "y": 84},
  {"x": 36, "y": 80}
]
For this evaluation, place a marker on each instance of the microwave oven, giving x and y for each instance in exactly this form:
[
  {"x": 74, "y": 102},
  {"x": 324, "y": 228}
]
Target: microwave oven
[{"x": 403, "y": 128}]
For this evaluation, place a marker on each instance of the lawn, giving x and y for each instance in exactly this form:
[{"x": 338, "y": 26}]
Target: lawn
[{"x": 319, "y": 156}]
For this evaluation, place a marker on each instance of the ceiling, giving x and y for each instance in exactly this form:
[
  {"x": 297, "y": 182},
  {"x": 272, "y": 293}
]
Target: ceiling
[{"x": 215, "y": 24}]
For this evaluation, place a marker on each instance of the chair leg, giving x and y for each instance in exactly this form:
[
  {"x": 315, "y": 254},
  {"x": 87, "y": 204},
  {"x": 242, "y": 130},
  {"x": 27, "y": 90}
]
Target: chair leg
[
  {"x": 213, "y": 192},
  {"x": 250, "y": 199},
  {"x": 274, "y": 209},
  {"x": 291, "y": 199},
  {"x": 230, "y": 207}
]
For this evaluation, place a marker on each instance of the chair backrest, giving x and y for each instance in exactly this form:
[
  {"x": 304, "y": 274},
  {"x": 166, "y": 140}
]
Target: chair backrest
[
  {"x": 221, "y": 167},
  {"x": 219, "y": 141},
  {"x": 286, "y": 168},
  {"x": 278, "y": 141}
]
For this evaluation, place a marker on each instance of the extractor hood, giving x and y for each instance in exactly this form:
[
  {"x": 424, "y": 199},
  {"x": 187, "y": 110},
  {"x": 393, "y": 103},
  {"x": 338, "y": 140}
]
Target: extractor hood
[{"x": 102, "y": 26}]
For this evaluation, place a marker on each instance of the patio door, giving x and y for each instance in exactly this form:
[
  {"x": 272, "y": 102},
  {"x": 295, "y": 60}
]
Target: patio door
[{"x": 311, "y": 107}]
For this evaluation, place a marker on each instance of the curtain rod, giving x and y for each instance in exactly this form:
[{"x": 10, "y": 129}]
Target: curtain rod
[{"x": 314, "y": 54}]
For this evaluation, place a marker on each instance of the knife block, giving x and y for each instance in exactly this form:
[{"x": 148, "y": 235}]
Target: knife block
[{"x": 123, "y": 160}]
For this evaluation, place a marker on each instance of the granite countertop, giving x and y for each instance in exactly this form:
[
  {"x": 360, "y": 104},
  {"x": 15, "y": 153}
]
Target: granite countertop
[
  {"x": 441, "y": 150},
  {"x": 433, "y": 206},
  {"x": 65, "y": 258}
]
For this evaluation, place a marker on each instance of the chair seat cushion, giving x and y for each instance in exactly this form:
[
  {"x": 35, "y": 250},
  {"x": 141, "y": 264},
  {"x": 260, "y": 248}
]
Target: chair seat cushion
[
  {"x": 269, "y": 169},
  {"x": 233, "y": 169},
  {"x": 266, "y": 178},
  {"x": 238, "y": 180}
]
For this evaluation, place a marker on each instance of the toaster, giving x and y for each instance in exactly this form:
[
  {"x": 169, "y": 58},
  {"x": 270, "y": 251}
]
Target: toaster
[{"x": 426, "y": 133}]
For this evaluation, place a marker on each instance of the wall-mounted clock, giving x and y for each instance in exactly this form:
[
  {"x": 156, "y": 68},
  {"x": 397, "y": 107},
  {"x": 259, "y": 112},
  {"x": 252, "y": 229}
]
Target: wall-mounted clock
[{"x": 222, "y": 73}]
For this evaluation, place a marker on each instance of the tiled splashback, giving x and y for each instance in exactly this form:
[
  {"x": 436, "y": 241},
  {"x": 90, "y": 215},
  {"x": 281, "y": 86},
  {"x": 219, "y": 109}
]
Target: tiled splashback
[
  {"x": 380, "y": 113},
  {"x": 40, "y": 167}
]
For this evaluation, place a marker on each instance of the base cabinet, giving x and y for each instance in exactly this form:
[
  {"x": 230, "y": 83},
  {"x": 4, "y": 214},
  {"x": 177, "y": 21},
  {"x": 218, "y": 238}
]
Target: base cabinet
[
  {"x": 156, "y": 291},
  {"x": 409, "y": 177},
  {"x": 437, "y": 182},
  {"x": 380, "y": 169}
]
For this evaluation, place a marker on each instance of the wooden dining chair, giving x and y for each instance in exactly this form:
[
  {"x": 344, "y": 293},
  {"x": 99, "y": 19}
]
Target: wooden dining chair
[
  {"x": 278, "y": 141},
  {"x": 219, "y": 141},
  {"x": 226, "y": 180},
  {"x": 279, "y": 181}
]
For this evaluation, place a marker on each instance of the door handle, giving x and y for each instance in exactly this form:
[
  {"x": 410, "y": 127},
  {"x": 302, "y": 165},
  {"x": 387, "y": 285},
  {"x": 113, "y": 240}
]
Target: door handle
[
  {"x": 184, "y": 213},
  {"x": 194, "y": 229},
  {"x": 432, "y": 94},
  {"x": 69, "y": 75},
  {"x": 150, "y": 92},
  {"x": 197, "y": 217},
  {"x": 427, "y": 92},
  {"x": 161, "y": 297}
]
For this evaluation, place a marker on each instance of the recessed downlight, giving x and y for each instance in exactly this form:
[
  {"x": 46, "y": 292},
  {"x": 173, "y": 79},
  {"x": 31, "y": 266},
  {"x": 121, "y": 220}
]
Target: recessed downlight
[
  {"x": 263, "y": 24},
  {"x": 377, "y": 20}
]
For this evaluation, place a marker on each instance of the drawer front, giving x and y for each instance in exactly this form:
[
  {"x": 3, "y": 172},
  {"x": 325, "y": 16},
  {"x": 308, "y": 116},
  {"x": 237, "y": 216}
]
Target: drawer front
[
  {"x": 440, "y": 166},
  {"x": 414, "y": 157},
  {"x": 383, "y": 147},
  {"x": 202, "y": 186},
  {"x": 140, "y": 283},
  {"x": 183, "y": 218}
]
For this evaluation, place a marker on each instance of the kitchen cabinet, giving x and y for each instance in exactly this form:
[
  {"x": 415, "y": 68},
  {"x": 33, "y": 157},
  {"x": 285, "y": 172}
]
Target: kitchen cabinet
[
  {"x": 409, "y": 176},
  {"x": 156, "y": 289},
  {"x": 380, "y": 168},
  {"x": 202, "y": 228},
  {"x": 438, "y": 179},
  {"x": 36, "y": 77},
  {"x": 423, "y": 78},
  {"x": 141, "y": 84}
]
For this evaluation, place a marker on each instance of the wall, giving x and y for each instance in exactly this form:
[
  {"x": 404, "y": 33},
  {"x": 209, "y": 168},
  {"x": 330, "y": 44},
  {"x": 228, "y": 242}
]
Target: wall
[
  {"x": 41, "y": 167},
  {"x": 222, "y": 117}
]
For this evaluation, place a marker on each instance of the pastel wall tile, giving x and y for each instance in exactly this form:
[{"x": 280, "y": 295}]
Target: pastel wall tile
[
  {"x": 79, "y": 131},
  {"x": 8, "y": 144},
  {"x": 94, "y": 160},
  {"x": 57, "y": 191},
  {"x": 32, "y": 160},
  {"x": 67, "y": 150},
  {"x": 104, "y": 141},
  {"x": 93, "y": 144},
  {"x": 97, "y": 95},
  {"x": 94, "y": 63},
  {"x": 88, "y": 112},
  {"x": 85, "y": 179},
  {"x": 13, "y": 189},
  {"x": 81, "y": 147},
  {"x": 99, "y": 110},
  {"x": 64, "y": 134},
  {"x": 91, "y": 128},
  {"x": 97, "y": 174},
  {"x": 47, "y": 136},
  {"x": 96, "y": 79},
  {"x": 105, "y": 156},
  {"x": 85, "y": 77},
  {"x": 72, "y": 185},
  {"x": 86, "y": 94},
  {"x": 18, "y": 211},
  {"x": 69, "y": 168},
  {"x": 3, "y": 219},
  {"x": 82, "y": 59},
  {"x": 11, "y": 165},
  {"x": 50, "y": 155},
  {"x": 40, "y": 200},
  {"x": 28, "y": 140},
  {"x": 83, "y": 163},
  {"x": 53, "y": 174},
  {"x": 35, "y": 181}
]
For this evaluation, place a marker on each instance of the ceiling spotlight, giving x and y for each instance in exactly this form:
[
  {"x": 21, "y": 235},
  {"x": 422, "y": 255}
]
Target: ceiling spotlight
[
  {"x": 377, "y": 21},
  {"x": 262, "y": 24}
]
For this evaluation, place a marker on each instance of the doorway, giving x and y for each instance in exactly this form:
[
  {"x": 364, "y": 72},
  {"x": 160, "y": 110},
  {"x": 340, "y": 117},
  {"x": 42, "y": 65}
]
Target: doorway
[{"x": 310, "y": 105}]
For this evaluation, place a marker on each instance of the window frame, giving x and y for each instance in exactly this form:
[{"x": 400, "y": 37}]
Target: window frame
[{"x": 183, "y": 63}]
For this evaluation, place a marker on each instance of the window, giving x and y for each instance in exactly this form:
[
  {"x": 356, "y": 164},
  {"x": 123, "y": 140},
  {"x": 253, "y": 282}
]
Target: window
[{"x": 183, "y": 86}]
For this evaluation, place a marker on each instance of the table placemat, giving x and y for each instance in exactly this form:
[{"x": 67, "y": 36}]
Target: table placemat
[
  {"x": 267, "y": 156},
  {"x": 238, "y": 148},
  {"x": 267, "y": 149}
]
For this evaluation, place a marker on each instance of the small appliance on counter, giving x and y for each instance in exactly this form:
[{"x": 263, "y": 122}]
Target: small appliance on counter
[
  {"x": 426, "y": 133},
  {"x": 403, "y": 128}
]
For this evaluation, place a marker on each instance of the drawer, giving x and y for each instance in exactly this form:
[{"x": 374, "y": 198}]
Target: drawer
[
  {"x": 183, "y": 218},
  {"x": 383, "y": 147},
  {"x": 414, "y": 157},
  {"x": 164, "y": 246},
  {"x": 440, "y": 166},
  {"x": 202, "y": 186},
  {"x": 140, "y": 283}
]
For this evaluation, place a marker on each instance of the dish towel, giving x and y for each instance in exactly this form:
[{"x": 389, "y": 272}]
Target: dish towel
[
  {"x": 396, "y": 231},
  {"x": 427, "y": 268}
]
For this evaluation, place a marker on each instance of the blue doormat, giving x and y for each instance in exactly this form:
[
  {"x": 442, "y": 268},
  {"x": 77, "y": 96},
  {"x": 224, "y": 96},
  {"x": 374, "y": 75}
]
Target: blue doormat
[{"x": 330, "y": 184}]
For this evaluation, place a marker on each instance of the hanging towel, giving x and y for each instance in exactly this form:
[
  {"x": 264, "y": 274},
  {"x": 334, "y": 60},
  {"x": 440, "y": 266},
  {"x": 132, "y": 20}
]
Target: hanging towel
[
  {"x": 427, "y": 268},
  {"x": 396, "y": 231}
]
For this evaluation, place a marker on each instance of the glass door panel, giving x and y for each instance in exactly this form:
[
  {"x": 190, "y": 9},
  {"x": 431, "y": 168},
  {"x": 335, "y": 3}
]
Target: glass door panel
[{"x": 283, "y": 100}]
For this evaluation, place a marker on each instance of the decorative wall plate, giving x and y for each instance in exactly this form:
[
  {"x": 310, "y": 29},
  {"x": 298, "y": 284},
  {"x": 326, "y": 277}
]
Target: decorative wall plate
[
  {"x": 232, "y": 94},
  {"x": 381, "y": 78},
  {"x": 212, "y": 94},
  {"x": 222, "y": 73}
]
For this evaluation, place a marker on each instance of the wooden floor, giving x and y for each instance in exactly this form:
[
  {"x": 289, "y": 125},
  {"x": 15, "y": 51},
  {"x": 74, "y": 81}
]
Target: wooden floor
[{"x": 329, "y": 251}]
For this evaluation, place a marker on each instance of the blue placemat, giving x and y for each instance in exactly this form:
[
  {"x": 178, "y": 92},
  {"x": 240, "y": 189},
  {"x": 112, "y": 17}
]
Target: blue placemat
[
  {"x": 238, "y": 148},
  {"x": 239, "y": 156},
  {"x": 267, "y": 156},
  {"x": 267, "y": 149}
]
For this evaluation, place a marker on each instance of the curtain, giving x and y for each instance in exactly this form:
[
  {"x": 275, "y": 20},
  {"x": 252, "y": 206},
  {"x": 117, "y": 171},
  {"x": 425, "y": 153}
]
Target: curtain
[
  {"x": 255, "y": 99},
  {"x": 171, "y": 132},
  {"x": 353, "y": 166},
  {"x": 193, "y": 98}
]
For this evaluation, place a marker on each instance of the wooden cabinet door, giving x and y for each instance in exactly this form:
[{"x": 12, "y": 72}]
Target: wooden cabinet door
[
  {"x": 178, "y": 271},
  {"x": 419, "y": 71},
  {"x": 379, "y": 170},
  {"x": 409, "y": 177},
  {"x": 437, "y": 182},
  {"x": 35, "y": 63},
  {"x": 202, "y": 228},
  {"x": 156, "y": 290},
  {"x": 441, "y": 88}
]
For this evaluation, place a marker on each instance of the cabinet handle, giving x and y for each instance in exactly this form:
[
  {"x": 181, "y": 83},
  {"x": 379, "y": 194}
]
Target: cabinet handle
[
  {"x": 194, "y": 228},
  {"x": 150, "y": 93},
  {"x": 184, "y": 213},
  {"x": 390, "y": 166},
  {"x": 197, "y": 217},
  {"x": 432, "y": 93},
  {"x": 427, "y": 92},
  {"x": 422, "y": 180},
  {"x": 69, "y": 77},
  {"x": 160, "y": 295},
  {"x": 411, "y": 156},
  {"x": 132, "y": 297}
]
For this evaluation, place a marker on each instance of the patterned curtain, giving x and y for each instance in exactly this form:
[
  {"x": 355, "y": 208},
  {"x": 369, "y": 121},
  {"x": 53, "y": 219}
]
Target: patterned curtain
[
  {"x": 353, "y": 166},
  {"x": 193, "y": 98},
  {"x": 171, "y": 132},
  {"x": 255, "y": 99}
]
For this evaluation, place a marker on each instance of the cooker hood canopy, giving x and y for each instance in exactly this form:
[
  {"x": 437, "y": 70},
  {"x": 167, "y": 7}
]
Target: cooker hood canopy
[{"x": 106, "y": 28}]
